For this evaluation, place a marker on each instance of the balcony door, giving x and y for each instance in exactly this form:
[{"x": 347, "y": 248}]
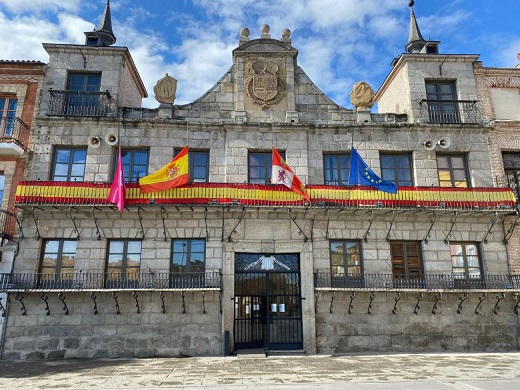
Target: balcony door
[
  {"x": 442, "y": 107},
  {"x": 83, "y": 94}
]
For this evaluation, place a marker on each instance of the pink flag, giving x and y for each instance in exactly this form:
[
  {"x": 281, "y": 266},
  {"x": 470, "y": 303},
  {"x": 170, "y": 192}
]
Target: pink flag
[{"x": 117, "y": 190}]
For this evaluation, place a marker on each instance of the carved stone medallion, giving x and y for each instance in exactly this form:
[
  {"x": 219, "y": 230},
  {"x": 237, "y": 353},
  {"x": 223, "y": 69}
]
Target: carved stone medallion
[
  {"x": 263, "y": 82},
  {"x": 165, "y": 90}
]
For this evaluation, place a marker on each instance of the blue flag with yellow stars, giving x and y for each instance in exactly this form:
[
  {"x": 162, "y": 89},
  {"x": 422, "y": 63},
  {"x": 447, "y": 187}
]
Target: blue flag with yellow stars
[{"x": 361, "y": 174}]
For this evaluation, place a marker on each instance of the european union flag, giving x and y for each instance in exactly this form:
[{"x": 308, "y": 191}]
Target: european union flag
[{"x": 361, "y": 174}]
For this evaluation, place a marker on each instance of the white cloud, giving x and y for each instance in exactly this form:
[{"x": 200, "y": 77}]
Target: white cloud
[{"x": 20, "y": 6}]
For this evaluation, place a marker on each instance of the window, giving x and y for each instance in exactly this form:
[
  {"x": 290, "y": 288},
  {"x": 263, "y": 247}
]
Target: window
[
  {"x": 123, "y": 263},
  {"x": 260, "y": 166},
  {"x": 406, "y": 264},
  {"x": 397, "y": 168},
  {"x": 84, "y": 82},
  {"x": 345, "y": 263},
  {"x": 188, "y": 263},
  {"x": 83, "y": 96},
  {"x": 69, "y": 164},
  {"x": 512, "y": 170},
  {"x": 57, "y": 264},
  {"x": 336, "y": 169},
  {"x": 452, "y": 170},
  {"x": 466, "y": 265},
  {"x": 7, "y": 116},
  {"x": 135, "y": 164},
  {"x": 198, "y": 165},
  {"x": 442, "y": 107},
  {"x": 2, "y": 186}
]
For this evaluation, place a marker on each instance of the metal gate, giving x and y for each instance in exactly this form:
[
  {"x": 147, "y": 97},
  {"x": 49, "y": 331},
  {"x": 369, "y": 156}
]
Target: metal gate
[{"x": 267, "y": 302}]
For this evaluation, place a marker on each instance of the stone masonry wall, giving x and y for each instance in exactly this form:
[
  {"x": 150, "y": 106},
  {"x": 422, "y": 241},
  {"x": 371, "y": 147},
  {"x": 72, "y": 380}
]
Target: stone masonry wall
[
  {"x": 83, "y": 334},
  {"x": 382, "y": 331}
]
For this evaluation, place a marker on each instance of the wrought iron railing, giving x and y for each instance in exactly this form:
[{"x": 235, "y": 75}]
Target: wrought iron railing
[
  {"x": 78, "y": 103},
  {"x": 48, "y": 193},
  {"x": 150, "y": 280},
  {"x": 13, "y": 129},
  {"x": 449, "y": 111},
  {"x": 325, "y": 280},
  {"x": 7, "y": 225}
]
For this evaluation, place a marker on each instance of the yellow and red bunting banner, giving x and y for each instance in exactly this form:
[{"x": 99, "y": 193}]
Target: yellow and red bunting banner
[
  {"x": 36, "y": 193},
  {"x": 173, "y": 174}
]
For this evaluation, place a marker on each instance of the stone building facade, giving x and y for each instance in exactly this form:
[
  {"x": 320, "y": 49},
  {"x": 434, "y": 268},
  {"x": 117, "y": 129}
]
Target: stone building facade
[{"x": 231, "y": 261}]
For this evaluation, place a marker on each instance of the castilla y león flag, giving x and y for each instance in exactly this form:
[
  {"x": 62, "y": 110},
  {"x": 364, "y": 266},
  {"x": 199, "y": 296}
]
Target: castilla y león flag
[
  {"x": 283, "y": 174},
  {"x": 117, "y": 190},
  {"x": 173, "y": 174}
]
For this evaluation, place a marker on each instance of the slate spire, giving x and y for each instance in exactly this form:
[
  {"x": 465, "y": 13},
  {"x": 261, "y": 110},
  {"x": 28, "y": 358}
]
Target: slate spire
[
  {"x": 103, "y": 35},
  {"x": 416, "y": 41}
]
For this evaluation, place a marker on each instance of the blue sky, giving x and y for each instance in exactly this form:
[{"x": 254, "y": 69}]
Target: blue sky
[{"x": 340, "y": 42}]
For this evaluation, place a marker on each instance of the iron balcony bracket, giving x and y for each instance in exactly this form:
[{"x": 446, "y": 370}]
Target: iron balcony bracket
[
  {"x": 493, "y": 221},
  {"x": 62, "y": 298},
  {"x": 135, "y": 296},
  {"x": 517, "y": 306},
  {"x": 438, "y": 297},
  {"x": 432, "y": 222},
  {"x": 163, "y": 212},
  {"x": 372, "y": 297},
  {"x": 2, "y": 308},
  {"x": 240, "y": 218},
  {"x": 367, "y": 233},
  {"x": 220, "y": 301},
  {"x": 19, "y": 298},
  {"x": 163, "y": 307},
  {"x": 293, "y": 218},
  {"x": 332, "y": 301},
  {"x": 462, "y": 300},
  {"x": 206, "y": 221},
  {"x": 350, "y": 307},
  {"x": 140, "y": 216},
  {"x": 73, "y": 219},
  {"x": 511, "y": 230},
  {"x": 93, "y": 297},
  {"x": 98, "y": 233},
  {"x": 203, "y": 303},
  {"x": 316, "y": 297},
  {"x": 313, "y": 220},
  {"x": 480, "y": 300},
  {"x": 450, "y": 233},
  {"x": 497, "y": 307},
  {"x": 391, "y": 225},
  {"x": 397, "y": 299},
  {"x": 183, "y": 303},
  {"x": 114, "y": 295},
  {"x": 420, "y": 297},
  {"x": 223, "y": 220},
  {"x": 36, "y": 224},
  {"x": 328, "y": 224},
  {"x": 45, "y": 298}
]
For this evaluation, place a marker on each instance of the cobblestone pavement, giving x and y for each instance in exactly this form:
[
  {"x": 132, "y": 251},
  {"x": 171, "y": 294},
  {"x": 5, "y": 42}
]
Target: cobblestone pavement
[{"x": 375, "y": 372}]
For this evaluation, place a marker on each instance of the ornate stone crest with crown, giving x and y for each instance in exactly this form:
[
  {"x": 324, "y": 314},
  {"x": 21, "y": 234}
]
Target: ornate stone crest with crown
[{"x": 263, "y": 82}]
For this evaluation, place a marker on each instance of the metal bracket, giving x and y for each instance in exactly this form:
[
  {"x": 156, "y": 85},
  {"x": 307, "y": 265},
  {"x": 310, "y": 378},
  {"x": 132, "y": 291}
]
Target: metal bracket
[
  {"x": 220, "y": 300},
  {"x": 44, "y": 298},
  {"x": 438, "y": 297},
  {"x": 511, "y": 230},
  {"x": 183, "y": 303},
  {"x": 493, "y": 221},
  {"x": 499, "y": 298},
  {"x": 93, "y": 297},
  {"x": 19, "y": 219},
  {"x": 206, "y": 221},
  {"x": 397, "y": 299},
  {"x": 19, "y": 298},
  {"x": 480, "y": 300},
  {"x": 36, "y": 224},
  {"x": 62, "y": 298},
  {"x": 163, "y": 211},
  {"x": 367, "y": 233},
  {"x": 450, "y": 233},
  {"x": 391, "y": 225},
  {"x": 372, "y": 297},
  {"x": 328, "y": 224},
  {"x": 73, "y": 219},
  {"x": 517, "y": 306},
  {"x": 240, "y": 218},
  {"x": 2, "y": 308},
  {"x": 305, "y": 238},
  {"x": 316, "y": 296},
  {"x": 350, "y": 307},
  {"x": 135, "y": 296},
  {"x": 140, "y": 216},
  {"x": 313, "y": 219},
  {"x": 114, "y": 295},
  {"x": 203, "y": 303},
  {"x": 223, "y": 220},
  {"x": 462, "y": 300},
  {"x": 332, "y": 301},
  {"x": 420, "y": 297},
  {"x": 432, "y": 222},
  {"x": 98, "y": 233},
  {"x": 163, "y": 307}
]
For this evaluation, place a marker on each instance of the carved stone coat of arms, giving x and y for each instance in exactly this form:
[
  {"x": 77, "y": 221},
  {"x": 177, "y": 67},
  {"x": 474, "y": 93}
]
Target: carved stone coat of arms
[{"x": 263, "y": 83}]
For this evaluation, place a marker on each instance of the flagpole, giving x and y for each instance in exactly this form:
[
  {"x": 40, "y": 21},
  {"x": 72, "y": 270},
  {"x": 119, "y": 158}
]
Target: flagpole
[{"x": 187, "y": 132}]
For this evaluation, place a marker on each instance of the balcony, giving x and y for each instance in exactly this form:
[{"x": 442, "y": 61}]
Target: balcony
[
  {"x": 78, "y": 103},
  {"x": 67, "y": 194},
  {"x": 449, "y": 111},
  {"x": 100, "y": 281},
  {"x": 388, "y": 282},
  {"x": 13, "y": 133},
  {"x": 7, "y": 224}
]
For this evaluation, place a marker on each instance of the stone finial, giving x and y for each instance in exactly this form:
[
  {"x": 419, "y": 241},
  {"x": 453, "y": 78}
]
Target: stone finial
[
  {"x": 518, "y": 56},
  {"x": 165, "y": 90},
  {"x": 286, "y": 35},
  {"x": 244, "y": 35},
  {"x": 264, "y": 32},
  {"x": 362, "y": 96}
]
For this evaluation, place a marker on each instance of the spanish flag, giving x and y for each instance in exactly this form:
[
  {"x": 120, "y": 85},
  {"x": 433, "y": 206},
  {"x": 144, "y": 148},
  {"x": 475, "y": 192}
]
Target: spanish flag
[{"x": 173, "y": 174}]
